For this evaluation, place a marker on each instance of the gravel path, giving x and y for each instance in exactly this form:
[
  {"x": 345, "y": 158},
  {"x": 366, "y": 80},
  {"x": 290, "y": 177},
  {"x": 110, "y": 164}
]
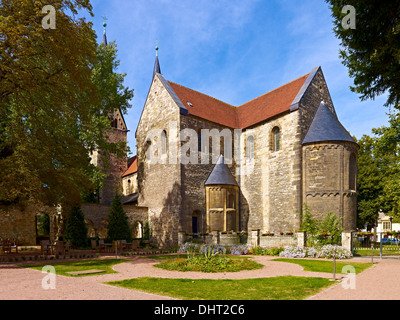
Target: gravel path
[{"x": 26, "y": 284}]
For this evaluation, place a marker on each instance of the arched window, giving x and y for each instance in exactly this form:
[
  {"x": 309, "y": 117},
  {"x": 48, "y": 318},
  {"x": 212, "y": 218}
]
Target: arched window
[
  {"x": 276, "y": 139},
  {"x": 352, "y": 172},
  {"x": 164, "y": 141},
  {"x": 250, "y": 147},
  {"x": 199, "y": 140},
  {"x": 129, "y": 188},
  {"x": 114, "y": 123}
]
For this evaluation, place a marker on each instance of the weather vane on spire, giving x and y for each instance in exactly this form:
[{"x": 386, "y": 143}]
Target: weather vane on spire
[
  {"x": 156, "y": 43},
  {"x": 104, "y": 23}
]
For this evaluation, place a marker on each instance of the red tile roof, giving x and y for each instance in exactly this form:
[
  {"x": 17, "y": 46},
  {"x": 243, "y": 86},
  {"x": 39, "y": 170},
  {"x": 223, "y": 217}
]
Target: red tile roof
[
  {"x": 264, "y": 107},
  {"x": 206, "y": 107},
  {"x": 270, "y": 104},
  {"x": 132, "y": 168}
]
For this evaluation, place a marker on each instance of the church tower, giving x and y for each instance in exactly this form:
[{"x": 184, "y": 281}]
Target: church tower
[
  {"x": 116, "y": 166},
  {"x": 330, "y": 169}
]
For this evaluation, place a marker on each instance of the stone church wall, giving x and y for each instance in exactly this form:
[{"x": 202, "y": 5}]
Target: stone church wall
[
  {"x": 270, "y": 190},
  {"x": 159, "y": 184},
  {"x": 195, "y": 175}
]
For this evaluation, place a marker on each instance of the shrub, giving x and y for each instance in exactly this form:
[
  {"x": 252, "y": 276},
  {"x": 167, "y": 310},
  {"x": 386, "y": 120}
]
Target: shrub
[
  {"x": 326, "y": 251},
  {"x": 76, "y": 229},
  {"x": 118, "y": 227}
]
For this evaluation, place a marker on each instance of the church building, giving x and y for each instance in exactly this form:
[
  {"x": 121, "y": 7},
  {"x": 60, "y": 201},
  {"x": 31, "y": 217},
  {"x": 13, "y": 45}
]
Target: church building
[{"x": 299, "y": 152}]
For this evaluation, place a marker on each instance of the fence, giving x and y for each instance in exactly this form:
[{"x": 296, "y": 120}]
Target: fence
[{"x": 377, "y": 244}]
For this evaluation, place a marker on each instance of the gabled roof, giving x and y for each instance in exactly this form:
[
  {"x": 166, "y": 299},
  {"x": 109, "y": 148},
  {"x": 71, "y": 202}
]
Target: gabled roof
[
  {"x": 221, "y": 174},
  {"x": 264, "y": 107},
  {"x": 270, "y": 104},
  {"x": 206, "y": 107},
  {"x": 326, "y": 127},
  {"x": 132, "y": 168}
]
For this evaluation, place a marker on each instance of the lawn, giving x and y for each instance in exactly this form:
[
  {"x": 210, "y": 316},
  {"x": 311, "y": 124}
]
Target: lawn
[
  {"x": 277, "y": 288},
  {"x": 63, "y": 267},
  {"x": 326, "y": 266}
]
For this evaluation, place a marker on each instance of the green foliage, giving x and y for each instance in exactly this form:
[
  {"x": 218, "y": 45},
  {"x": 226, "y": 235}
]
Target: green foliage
[
  {"x": 146, "y": 231},
  {"x": 371, "y": 52},
  {"x": 43, "y": 224},
  {"x": 321, "y": 232},
  {"x": 54, "y": 107},
  {"x": 213, "y": 264},
  {"x": 76, "y": 230},
  {"x": 118, "y": 226}
]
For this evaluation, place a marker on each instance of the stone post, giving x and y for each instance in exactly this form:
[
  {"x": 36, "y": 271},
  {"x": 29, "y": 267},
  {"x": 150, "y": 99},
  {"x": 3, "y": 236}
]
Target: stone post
[
  {"x": 301, "y": 239},
  {"x": 255, "y": 238},
  {"x": 181, "y": 238},
  {"x": 215, "y": 237},
  {"x": 347, "y": 241}
]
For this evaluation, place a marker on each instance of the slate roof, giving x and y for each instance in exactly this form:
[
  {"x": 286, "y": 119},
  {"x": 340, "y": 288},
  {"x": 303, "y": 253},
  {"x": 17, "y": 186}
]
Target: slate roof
[
  {"x": 326, "y": 127},
  {"x": 157, "y": 68},
  {"x": 221, "y": 174},
  {"x": 132, "y": 198}
]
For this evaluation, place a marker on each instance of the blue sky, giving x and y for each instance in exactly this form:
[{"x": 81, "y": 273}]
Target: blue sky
[{"x": 232, "y": 50}]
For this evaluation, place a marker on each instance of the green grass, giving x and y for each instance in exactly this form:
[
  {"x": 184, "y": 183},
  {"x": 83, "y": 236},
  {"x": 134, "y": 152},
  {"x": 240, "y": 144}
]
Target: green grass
[
  {"x": 377, "y": 252},
  {"x": 63, "y": 267},
  {"x": 326, "y": 266},
  {"x": 277, "y": 288}
]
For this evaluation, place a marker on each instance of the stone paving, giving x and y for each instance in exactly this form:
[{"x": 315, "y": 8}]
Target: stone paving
[{"x": 379, "y": 282}]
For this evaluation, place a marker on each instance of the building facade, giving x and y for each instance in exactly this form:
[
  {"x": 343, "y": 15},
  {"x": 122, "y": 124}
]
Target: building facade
[{"x": 298, "y": 151}]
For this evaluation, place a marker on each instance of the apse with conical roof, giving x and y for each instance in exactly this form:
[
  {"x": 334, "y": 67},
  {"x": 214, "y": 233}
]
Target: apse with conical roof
[
  {"x": 330, "y": 168},
  {"x": 326, "y": 127},
  {"x": 222, "y": 196}
]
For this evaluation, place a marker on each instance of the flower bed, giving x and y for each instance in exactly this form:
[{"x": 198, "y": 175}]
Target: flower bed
[{"x": 327, "y": 251}]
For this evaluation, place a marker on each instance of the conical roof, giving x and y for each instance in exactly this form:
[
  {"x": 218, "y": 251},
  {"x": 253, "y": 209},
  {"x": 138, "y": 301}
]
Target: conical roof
[
  {"x": 157, "y": 68},
  {"x": 221, "y": 174},
  {"x": 326, "y": 127}
]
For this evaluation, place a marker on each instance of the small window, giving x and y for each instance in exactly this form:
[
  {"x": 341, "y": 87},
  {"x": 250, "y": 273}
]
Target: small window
[
  {"x": 164, "y": 142},
  {"x": 199, "y": 140},
  {"x": 276, "y": 139},
  {"x": 250, "y": 147}
]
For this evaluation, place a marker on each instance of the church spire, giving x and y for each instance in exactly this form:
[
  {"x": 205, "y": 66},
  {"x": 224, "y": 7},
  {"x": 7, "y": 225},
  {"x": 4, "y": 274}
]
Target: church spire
[
  {"x": 104, "y": 33},
  {"x": 157, "y": 68}
]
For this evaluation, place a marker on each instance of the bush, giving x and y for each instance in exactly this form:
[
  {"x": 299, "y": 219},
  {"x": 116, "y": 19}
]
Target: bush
[
  {"x": 76, "y": 229},
  {"x": 326, "y": 251},
  {"x": 118, "y": 227}
]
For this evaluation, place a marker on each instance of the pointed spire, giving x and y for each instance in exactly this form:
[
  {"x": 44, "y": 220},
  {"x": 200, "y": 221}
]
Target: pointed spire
[
  {"x": 157, "y": 68},
  {"x": 104, "y": 34}
]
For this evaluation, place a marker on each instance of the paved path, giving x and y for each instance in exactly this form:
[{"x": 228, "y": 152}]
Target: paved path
[{"x": 379, "y": 282}]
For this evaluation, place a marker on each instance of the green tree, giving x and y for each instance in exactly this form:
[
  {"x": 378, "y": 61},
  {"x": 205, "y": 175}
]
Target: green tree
[
  {"x": 388, "y": 151},
  {"x": 75, "y": 229},
  {"x": 370, "y": 183},
  {"x": 54, "y": 105},
  {"x": 371, "y": 52},
  {"x": 118, "y": 226}
]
